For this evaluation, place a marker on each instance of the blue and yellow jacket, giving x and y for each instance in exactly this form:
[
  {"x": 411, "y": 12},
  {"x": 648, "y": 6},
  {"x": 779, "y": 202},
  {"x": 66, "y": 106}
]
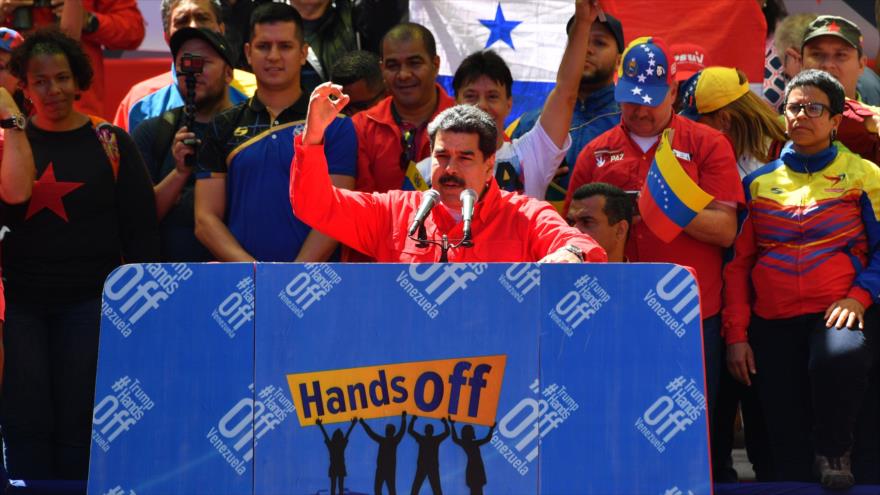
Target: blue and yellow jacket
[{"x": 809, "y": 238}]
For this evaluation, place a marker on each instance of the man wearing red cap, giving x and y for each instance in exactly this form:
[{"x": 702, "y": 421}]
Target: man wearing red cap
[{"x": 646, "y": 91}]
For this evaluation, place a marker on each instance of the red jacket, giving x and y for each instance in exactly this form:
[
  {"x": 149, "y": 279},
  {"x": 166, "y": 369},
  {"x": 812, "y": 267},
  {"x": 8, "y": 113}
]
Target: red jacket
[
  {"x": 379, "y": 145},
  {"x": 707, "y": 157},
  {"x": 507, "y": 227},
  {"x": 120, "y": 27},
  {"x": 858, "y": 132}
]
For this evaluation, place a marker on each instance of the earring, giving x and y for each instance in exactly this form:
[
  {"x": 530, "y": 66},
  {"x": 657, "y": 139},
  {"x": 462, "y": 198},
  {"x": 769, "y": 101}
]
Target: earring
[{"x": 833, "y": 135}]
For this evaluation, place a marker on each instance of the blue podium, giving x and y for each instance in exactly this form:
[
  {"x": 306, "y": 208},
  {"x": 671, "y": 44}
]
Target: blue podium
[{"x": 522, "y": 378}]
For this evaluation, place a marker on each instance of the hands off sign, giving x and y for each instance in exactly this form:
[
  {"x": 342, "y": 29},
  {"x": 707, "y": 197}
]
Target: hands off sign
[{"x": 314, "y": 378}]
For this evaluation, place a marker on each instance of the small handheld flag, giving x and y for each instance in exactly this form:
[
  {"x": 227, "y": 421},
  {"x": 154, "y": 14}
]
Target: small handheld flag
[{"x": 669, "y": 199}]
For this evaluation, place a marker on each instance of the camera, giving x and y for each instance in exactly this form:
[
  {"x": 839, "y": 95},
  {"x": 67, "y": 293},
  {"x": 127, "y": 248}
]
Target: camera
[
  {"x": 23, "y": 17},
  {"x": 190, "y": 66}
]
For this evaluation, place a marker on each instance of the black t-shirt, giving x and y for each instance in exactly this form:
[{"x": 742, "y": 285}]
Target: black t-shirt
[
  {"x": 177, "y": 228},
  {"x": 80, "y": 222}
]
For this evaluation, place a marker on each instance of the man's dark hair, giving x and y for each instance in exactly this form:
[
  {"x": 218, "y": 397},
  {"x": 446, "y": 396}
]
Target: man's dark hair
[
  {"x": 168, "y": 6},
  {"x": 482, "y": 63},
  {"x": 466, "y": 119},
  {"x": 51, "y": 41},
  {"x": 618, "y": 206},
  {"x": 272, "y": 12},
  {"x": 355, "y": 66},
  {"x": 822, "y": 81},
  {"x": 409, "y": 31}
]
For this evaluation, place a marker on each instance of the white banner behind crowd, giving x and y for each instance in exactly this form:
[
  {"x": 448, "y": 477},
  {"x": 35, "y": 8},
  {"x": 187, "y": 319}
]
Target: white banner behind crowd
[{"x": 528, "y": 34}]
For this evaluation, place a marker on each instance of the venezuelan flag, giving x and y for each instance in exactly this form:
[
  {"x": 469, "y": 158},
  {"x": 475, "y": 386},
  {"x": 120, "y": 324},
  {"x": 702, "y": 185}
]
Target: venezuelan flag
[{"x": 669, "y": 199}]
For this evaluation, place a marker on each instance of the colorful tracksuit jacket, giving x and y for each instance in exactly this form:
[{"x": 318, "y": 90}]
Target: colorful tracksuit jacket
[{"x": 809, "y": 238}]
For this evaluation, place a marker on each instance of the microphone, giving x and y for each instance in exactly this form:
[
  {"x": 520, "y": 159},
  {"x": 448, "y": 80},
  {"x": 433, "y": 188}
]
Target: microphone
[
  {"x": 468, "y": 197},
  {"x": 429, "y": 199}
]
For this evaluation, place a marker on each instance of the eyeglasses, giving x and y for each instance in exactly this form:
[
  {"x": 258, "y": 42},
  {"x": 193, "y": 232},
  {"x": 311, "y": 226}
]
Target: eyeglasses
[{"x": 812, "y": 110}]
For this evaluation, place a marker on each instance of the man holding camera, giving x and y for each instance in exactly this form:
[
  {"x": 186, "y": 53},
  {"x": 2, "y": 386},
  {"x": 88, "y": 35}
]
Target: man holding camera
[{"x": 168, "y": 143}]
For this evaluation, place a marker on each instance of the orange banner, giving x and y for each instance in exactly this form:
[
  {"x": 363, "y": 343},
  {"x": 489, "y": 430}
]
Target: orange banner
[{"x": 465, "y": 388}]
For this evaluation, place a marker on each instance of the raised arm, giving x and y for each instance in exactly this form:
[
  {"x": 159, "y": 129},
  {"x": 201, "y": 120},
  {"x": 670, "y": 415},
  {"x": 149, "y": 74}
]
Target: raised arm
[
  {"x": 412, "y": 429},
  {"x": 372, "y": 434},
  {"x": 353, "y": 218},
  {"x": 320, "y": 424},
  {"x": 350, "y": 427},
  {"x": 452, "y": 429},
  {"x": 445, "y": 429},
  {"x": 559, "y": 107},
  {"x": 485, "y": 440},
  {"x": 402, "y": 430}
]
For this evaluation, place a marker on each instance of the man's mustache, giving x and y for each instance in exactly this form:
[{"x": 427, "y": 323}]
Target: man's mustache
[{"x": 451, "y": 180}]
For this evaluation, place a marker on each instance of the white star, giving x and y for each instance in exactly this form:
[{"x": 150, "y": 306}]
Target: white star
[
  {"x": 651, "y": 63},
  {"x": 641, "y": 78},
  {"x": 646, "y": 99},
  {"x": 651, "y": 55},
  {"x": 637, "y": 90}
]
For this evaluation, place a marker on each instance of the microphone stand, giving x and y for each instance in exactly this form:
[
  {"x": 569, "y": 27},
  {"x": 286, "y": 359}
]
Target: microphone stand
[{"x": 444, "y": 243}]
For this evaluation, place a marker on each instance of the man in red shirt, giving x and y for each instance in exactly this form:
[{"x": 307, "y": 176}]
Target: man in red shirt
[
  {"x": 646, "y": 91},
  {"x": 392, "y": 135},
  {"x": 506, "y": 227}
]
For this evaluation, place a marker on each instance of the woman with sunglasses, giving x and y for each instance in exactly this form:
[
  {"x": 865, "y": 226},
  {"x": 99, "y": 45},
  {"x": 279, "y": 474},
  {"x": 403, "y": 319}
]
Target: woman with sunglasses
[{"x": 803, "y": 274}]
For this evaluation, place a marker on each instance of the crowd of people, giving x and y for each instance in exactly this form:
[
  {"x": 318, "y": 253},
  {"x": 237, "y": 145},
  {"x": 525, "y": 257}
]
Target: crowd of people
[{"x": 317, "y": 131}]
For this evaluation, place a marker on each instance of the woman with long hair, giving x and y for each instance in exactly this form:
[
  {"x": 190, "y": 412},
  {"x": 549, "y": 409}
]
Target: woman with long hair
[
  {"x": 805, "y": 269},
  {"x": 91, "y": 209},
  {"x": 336, "y": 448},
  {"x": 720, "y": 98}
]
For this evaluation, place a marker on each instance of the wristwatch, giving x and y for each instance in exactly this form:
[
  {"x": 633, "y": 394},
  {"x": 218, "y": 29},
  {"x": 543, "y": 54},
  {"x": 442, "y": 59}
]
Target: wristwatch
[
  {"x": 16, "y": 122},
  {"x": 91, "y": 24},
  {"x": 575, "y": 250}
]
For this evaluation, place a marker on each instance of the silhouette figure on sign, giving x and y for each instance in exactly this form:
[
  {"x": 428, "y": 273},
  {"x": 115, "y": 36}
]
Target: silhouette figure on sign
[
  {"x": 386, "y": 459},
  {"x": 336, "y": 448},
  {"x": 475, "y": 473},
  {"x": 428, "y": 464}
]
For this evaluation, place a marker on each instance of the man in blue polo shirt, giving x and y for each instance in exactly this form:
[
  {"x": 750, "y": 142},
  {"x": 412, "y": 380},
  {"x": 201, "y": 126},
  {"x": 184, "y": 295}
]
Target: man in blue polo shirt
[{"x": 242, "y": 203}]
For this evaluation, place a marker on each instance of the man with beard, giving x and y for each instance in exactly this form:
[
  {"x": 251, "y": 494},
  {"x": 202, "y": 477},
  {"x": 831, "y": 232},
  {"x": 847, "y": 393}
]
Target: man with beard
[
  {"x": 151, "y": 97},
  {"x": 596, "y": 111},
  {"x": 165, "y": 141}
]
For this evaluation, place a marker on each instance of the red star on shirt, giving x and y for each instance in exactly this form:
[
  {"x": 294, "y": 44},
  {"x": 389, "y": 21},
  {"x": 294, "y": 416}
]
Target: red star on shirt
[
  {"x": 833, "y": 27},
  {"x": 48, "y": 192}
]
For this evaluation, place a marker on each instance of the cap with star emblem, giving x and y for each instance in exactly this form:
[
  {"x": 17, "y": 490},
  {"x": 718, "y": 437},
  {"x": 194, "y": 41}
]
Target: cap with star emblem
[
  {"x": 832, "y": 25},
  {"x": 645, "y": 73},
  {"x": 711, "y": 89}
]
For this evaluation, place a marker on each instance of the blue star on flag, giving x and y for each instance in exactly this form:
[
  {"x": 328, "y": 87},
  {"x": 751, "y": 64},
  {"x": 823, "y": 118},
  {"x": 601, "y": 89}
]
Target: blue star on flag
[{"x": 499, "y": 28}]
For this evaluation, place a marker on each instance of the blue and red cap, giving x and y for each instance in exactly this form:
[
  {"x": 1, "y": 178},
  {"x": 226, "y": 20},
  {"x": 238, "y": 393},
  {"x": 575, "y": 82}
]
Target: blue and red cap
[
  {"x": 9, "y": 39},
  {"x": 646, "y": 73}
]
